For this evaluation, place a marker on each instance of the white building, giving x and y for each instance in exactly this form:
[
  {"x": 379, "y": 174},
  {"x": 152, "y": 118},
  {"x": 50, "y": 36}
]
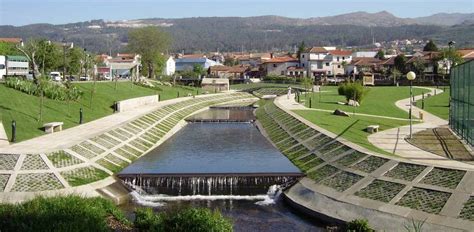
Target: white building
[
  {"x": 364, "y": 54},
  {"x": 325, "y": 61},
  {"x": 170, "y": 66}
]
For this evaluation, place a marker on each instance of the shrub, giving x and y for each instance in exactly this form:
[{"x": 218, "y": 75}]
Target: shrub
[
  {"x": 55, "y": 91},
  {"x": 66, "y": 213},
  {"x": 188, "y": 219},
  {"x": 359, "y": 225},
  {"x": 353, "y": 90}
]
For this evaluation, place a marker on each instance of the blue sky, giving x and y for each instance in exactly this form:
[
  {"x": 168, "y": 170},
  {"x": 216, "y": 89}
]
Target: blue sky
[{"x": 21, "y": 12}]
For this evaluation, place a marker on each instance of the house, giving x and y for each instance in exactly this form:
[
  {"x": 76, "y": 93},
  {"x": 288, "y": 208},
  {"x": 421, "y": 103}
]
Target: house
[
  {"x": 123, "y": 66},
  {"x": 363, "y": 64},
  {"x": 215, "y": 84},
  {"x": 428, "y": 59},
  {"x": 237, "y": 72},
  {"x": 170, "y": 67},
  {"x": 187, "y": 62},
  {"x": 11, "y": 40},
  {"x": 325, "y": 61},
  {"x": 360, "y": 54},
  {"x": 278, "y": 66}
]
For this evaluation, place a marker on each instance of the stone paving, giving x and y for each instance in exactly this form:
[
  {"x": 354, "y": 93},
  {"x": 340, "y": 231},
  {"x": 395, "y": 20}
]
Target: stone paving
[
  {"x": 98, "y": 149},
  {"x": 352, "y": 174}
]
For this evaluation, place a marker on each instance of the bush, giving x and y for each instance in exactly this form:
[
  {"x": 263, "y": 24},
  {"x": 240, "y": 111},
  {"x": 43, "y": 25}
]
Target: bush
[
  {"x": 51, "y": 90},
  {"x": 353, "y": 90},
  {"x": 359, "y": 225},
  {"x": 69, "y": 213},
  {"x": 188, "y": 219}
]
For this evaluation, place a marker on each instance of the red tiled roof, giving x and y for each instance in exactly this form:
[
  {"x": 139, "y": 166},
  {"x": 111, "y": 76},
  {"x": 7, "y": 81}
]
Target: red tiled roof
[
  {"x": 193, "y": 56},
  {"x": 10, "y": 40},
  {"x": 317, "y": 50},
  {"x": 366, "y": 61},
  {"x": 389, "y": 61},
  {"x": 283, "y": 59},
  {"x": 340, "y": 52}
]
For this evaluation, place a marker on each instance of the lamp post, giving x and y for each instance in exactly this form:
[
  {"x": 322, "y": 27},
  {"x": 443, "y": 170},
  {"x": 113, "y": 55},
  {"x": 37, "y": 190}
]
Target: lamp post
[
  {"x": 411, "y": 76},
  {"x": 65, "y": 46}
]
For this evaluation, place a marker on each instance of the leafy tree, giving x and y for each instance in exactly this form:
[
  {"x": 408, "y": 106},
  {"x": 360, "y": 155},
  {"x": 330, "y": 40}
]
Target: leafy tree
[
  {"x": 49, "y": 56},
  {"x": 419, "y": 67},
  {"x": 430, "y": 47},
  {"x": 231, "y": 62},
  {"x": 400, "y": 63},
  {"x": 301, "y": 49},
  {"x": 451, "y": 55},
  {"x": 30, "y": 50},
  {"x": 380, "y": 54},
  {"x": 198, "y": 69},
  {"x": 8, "y": 49},
  {"x": 150, "y": 42},
  {"x": 74, "y": 60},
  {"x": 395, "y": 75}
]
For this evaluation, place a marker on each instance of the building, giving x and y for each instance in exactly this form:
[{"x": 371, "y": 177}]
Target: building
[
  {"x": 170, "y": 67},
  {"x": 121, "y": 66},
  {"x": 364, "y": 54},
  {"x": 278, "y": 66},
  {"x": 215, "y": 84},
  {"x": 186, "y": 63},
  {"x": 13, "y": 66},
  {"x": 234, "y": 72},
  {"x": 363, "y": 64},
  {"x": 324, "y": 61}
]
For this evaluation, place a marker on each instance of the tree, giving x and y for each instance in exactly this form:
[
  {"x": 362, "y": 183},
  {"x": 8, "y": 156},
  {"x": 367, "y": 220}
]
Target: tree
[
  {"x": 380, "y": 54},
  {"x": 452, "y": 55},
  {"x": 8, "y": 49},
  {"x": 430, "y": 47},
  {"x": 419, "y": 67},
  {"x": 400, "y": 63},
  {"x": 198, "y": 69},
  {"x": 30, "y": 50},
  {"x": 49, "y": 56},
  {"x": 150, "y": 42},
  {"x": 301, "y": 49},
  {"x": 395, "y": 75}
]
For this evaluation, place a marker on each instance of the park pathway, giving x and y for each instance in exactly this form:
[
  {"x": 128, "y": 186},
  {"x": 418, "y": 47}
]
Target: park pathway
[
  {"x": 3, "y": 136},
  {"x": 393, "y": 140}
]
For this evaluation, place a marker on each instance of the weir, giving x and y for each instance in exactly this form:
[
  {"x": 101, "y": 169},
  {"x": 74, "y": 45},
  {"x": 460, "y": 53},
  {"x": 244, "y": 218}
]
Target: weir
[
  {"x": 212, "y": 159},
  {"x": 219, "y": 184}
]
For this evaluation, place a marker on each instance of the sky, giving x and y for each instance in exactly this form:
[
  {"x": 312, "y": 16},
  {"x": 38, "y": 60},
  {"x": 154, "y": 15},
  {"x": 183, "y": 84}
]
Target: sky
[{"x": 22, "y": 12}]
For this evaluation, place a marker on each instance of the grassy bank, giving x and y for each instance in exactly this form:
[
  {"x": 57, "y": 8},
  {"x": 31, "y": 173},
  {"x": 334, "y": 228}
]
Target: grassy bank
[
  {"x": 24, "y": 108},
  {"x": 351, "y": 128},
  {"x": 437, "y": 105},
  {"x": 379, "y": 100}
]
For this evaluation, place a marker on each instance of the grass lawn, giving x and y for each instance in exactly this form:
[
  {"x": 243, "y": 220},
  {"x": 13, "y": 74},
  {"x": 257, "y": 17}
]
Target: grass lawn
[
  {"x": 351, "y": 128},
  {"x": 437, "y": 105},
  {"x": 15, "y": 105},
  {"x": 379, "y": 100}
]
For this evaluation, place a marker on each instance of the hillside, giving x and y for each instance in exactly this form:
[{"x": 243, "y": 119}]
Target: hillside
[{"x": 258, "y": 33}]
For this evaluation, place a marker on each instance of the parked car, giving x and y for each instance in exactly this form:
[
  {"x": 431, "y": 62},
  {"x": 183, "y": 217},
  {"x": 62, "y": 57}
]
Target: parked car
[
  {"x": 84, "y": 78},
  {"x": 55, "y": 76}
]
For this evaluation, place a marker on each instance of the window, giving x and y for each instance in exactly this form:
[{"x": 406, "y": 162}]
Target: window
[
  {"x": 2, "y": 66},
  {"x": 274, "y": 65},
  {"x": 327, "y": 64},
  {"x": 343, "y": 58},
  {"x": 303, "y": 64},
  {"x": 338, "y": 66},
  {"x": 302, "y": 56},
  {"x": 282, "y": 72},
  {"x": 338, "y": 58}
]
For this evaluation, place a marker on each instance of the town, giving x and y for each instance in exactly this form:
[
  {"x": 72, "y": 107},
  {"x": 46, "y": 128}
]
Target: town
[{"x": 348, "y": 122}]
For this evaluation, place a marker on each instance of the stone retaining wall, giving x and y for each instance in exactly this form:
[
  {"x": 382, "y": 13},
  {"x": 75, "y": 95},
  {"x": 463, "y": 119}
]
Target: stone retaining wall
[{"x": 133, "y": 103}]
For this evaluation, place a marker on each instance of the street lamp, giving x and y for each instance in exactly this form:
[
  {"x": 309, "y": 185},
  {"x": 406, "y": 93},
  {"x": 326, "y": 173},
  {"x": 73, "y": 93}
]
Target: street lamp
[
  {"x": 411, "y": 76},
  {"x": 65, "y": 46}
]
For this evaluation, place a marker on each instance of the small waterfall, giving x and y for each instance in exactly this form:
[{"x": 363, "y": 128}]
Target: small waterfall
[{"x": 206, "y": 185}]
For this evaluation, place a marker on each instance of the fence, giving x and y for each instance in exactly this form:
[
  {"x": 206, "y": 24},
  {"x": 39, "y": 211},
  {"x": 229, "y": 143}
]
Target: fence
[{"x": 461, "y": 115}]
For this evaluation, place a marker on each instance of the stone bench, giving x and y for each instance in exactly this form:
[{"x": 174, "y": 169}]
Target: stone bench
[
  {"x": 373, "y": 129},
  {"x": 52, "y": 127}
]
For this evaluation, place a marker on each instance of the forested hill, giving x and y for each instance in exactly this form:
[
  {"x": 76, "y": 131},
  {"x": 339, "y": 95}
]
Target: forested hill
[{"x": 257, "y": 33}]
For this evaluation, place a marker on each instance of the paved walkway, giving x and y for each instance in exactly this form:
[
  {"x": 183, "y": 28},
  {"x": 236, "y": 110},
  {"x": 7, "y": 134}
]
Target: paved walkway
[
  {"x": 3, "y": 136},
  {"x": 393, "y": 140}
]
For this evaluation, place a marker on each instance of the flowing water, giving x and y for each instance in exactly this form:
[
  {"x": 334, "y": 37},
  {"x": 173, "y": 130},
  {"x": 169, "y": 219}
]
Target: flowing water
[{"x": 230, "y": 167}]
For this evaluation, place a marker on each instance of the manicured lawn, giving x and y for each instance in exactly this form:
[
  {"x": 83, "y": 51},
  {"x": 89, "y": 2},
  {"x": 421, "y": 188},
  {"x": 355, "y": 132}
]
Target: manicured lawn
[
  {"x": 351, "y": 128},
  {"x": 437, "y": 105},
  {"x": 379, "y": 100},
  {"x": 15, "y": 105}
]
